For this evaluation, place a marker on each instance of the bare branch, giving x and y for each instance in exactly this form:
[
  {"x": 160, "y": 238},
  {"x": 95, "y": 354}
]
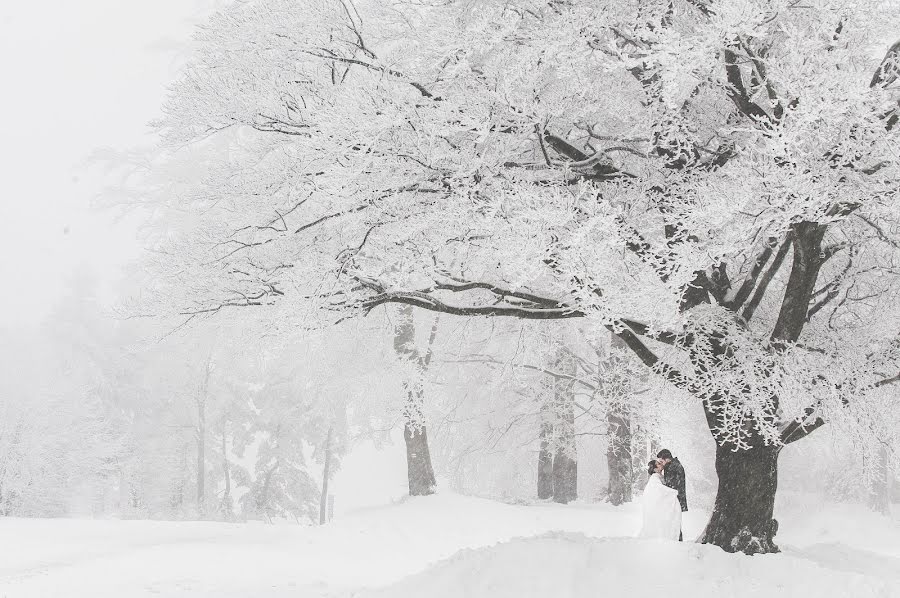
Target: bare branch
[
  {"x": 831, "y": 290},
  {"x": 463, "y": 286},
  {"x": 374, "y": 67},
  {"x": 749, "y": 282},
  {"x": 650, "y": 359},
  {"x": 579, "y": 158},
  {"x": 525, "y": 366},
  {"x": 797, "y": 430},
  {"x": 425, "y": 301},
  {"x": 886, "y": 381},
  {"x": 760, "y": 292},
  {"x": 879, "y": 231},
  {"x": 737, "y": 91},
  {"x": 889, "y": 69},
  {"x": 668, "y": 338}
]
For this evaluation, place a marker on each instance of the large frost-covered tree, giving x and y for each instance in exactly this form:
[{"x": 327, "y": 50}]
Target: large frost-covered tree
[{"x": 713, "y": 180}]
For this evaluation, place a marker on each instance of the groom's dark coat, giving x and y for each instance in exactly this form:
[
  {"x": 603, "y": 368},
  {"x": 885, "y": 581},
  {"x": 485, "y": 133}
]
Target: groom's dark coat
[{"x": 673, "y": 477}]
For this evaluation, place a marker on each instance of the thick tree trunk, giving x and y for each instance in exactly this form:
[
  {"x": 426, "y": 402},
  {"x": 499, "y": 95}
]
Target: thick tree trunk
[
  {"x": 545, "y": 454},
  {"x": 742, "y": 518},
  {"x": 618, "y": 456},
  {"x": 418, "y": 461},
  {"x": 326, "y": 473}
]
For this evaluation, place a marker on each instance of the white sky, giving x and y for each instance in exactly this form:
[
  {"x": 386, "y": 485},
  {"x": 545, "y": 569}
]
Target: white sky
[{"x": 77, "y": 75}]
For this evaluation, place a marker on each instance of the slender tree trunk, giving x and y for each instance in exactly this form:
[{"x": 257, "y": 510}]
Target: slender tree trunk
[
  {"x": 545, "y": 454},
  {"x": 880, "y": 493},
  {"x": 420, "y": 472},
  {"x": 326, "y": 474},
  {"x": 742, "y": 518},
  {"x": 262, "y": 500},
  {"x": 618, "y": 455},
  {"x": 618, "y": 435},
  {"x": 123, "y": 490},
  {"x": 177, "y": 500},
  {"x": 565, "y": 459},
  {"x": 201, "y": 457},
  {"x": 201, "y": 440},
  {"x": 225, "y": 507}
]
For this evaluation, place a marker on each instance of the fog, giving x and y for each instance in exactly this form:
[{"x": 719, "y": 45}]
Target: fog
[{"x": 332, "y": 298}]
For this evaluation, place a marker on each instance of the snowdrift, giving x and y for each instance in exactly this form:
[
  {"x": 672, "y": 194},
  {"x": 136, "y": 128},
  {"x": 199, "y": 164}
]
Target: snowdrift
[
  {"x": 565, "y": 565},
  {"x": 448, "y": 545}
]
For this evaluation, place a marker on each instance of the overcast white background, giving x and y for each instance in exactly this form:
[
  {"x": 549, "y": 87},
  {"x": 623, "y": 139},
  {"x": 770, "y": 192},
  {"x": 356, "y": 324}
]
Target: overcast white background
[{"x": 77, "y": 76}]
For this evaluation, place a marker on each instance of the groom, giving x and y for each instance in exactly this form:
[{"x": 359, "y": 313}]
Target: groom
[{"x": 673, "y": 477}]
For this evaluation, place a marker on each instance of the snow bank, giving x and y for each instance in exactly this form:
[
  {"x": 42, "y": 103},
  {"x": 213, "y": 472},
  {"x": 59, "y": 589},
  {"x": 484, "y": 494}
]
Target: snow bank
[
  {"x": 367, "y": 548},
  {"x": 807, "y": 520},
  {"x": 846, "y": 548},
  {"x": 565, "y": 565}
]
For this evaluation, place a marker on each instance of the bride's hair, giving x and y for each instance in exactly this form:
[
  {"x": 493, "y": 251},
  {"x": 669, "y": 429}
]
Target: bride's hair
[{"x": 651, "y": 467}]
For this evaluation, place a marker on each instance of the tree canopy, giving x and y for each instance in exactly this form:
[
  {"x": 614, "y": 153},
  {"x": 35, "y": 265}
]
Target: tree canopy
[
  {"x": 715, "y": 181},
  {"x": 650, "y": 166}
]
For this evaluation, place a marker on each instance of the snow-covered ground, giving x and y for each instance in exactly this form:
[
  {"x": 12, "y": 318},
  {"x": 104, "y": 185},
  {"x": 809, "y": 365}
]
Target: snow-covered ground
[{"x": 448, "y": 545}]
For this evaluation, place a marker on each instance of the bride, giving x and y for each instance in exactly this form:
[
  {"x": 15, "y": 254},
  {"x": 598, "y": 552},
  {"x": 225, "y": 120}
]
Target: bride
[{"x": 662, "y": 513}]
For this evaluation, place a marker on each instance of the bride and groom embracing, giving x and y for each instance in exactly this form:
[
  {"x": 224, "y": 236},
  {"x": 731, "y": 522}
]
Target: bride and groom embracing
[{"x": 664, "y": 498}]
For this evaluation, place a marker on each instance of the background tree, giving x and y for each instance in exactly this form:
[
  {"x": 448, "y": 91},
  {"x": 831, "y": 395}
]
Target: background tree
[
  {"x": 619, "y": 381},
  {"x": 415, "y": 433}
]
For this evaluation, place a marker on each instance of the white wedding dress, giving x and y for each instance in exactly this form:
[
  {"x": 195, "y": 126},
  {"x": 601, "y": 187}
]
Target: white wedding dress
[{"x": 662, "y": 513}]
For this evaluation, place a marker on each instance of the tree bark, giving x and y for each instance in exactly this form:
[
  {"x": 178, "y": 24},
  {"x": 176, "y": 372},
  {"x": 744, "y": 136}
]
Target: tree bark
[
  {"x": 880, "y": 493},
  {"x": 420, "y": 472},
  {"x": 177, "y": 500},
  {"x": 565, "y": 463},
  {"x": 792, "y": 316},
  {"x": 618, "y": 456},
  {"x": 742, "y": 518},
  {"x": 565, "y": 476},
  {"x": 326, "y": 473},
  {"x": 418, "y": 461},
  {"x": 201, "y": 457},
  {"x": 619, "y": 436},
  {"x": 225, "y": 507},
  {"x": 545, "y": 454},
  {"x": 201, "y": 440},
  {"x": 262, "y": 499}
]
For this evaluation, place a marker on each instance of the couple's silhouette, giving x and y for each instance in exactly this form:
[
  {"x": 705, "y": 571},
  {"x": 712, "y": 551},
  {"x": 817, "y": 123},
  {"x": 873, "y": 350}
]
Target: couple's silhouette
[{"x": 664, "y": 498}]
